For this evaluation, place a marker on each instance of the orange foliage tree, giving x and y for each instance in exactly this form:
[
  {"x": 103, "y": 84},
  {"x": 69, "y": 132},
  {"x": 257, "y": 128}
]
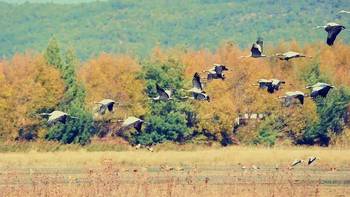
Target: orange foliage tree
[
  {"x": 30, "y": 85},
  {"x": 114, "y": 77},
  {"x": 237, "y": 94}
]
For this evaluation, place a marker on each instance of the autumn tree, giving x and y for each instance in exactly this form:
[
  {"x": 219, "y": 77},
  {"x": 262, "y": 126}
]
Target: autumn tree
[
  {"x": 117, "y": 78},
  {"x": 29, "y": 86}
]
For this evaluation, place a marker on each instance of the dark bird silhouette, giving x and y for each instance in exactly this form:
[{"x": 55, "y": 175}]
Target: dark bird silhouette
[
  {"x": 57, "y": 116},
  {"x": 289, "y": 96},
  {"x": 333, "y": 30},
  {"x": 311, "y": 160},
  {"x": 271, "y": 85},
  {"x": 197, "y": 89},
  {"x": 320, "y": 89},
  {"x": 216, "y": 72},
  {"x": 200, "y": 96},
  {"x": 197, "y": 85},
  {"x": 134, "y": 122},
  {"x": 163, "y": 95},
  {"x": 296, "y": 162},
  {"x": 104, "y": 105},
  {"x": 257, "y": 49}
]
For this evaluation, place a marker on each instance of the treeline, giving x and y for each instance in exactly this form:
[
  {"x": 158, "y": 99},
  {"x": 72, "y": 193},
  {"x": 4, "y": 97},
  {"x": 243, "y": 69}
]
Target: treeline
[{"x": 33, "y": 83}]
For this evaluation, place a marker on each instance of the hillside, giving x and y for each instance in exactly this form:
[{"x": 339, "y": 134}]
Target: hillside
[
  {"x": 50, "y": 1},
  {"x": 136, "y": 27}
]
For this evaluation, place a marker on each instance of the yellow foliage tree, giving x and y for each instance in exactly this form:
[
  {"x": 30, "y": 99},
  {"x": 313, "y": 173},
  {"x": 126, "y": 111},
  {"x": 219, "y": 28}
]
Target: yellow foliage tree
[
  {"x": 114, "y": 77},
  {"x": 30, "y": 85}
]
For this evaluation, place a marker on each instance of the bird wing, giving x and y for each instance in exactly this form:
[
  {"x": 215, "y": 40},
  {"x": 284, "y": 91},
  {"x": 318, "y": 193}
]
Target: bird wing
[
  {"x": 264, "y": 83},
  {"x": 291, "y": 54},
  {"x": 333, "y": 32},
  {"x": 220, "y": 68},
  {"x": 270, "y": 89},
  {"x": 106, "y": 101},
  {"x": 301, "y": 98},
  {"x": 168, "y": 92},
  {"x": 57, "y": 116},
  {"x": 101, "y": 109},
  {"x": 130, "y": 121},
  {"x": 324, "y": 91},
  {"x": 260, "y": 42},
  {"x": 196, "y": 82},
  {"x": 256, "y": 50},
  {"x": 162, "y": 93},
  {"x": 296, "y": 162},
  {"x": 211, "y": 76},
  {"x": 110, "y": 106},
  {"x": 212, "y": 70},
  {"x": 138, "y": 125},
  {"x": 199, "y": 96}
]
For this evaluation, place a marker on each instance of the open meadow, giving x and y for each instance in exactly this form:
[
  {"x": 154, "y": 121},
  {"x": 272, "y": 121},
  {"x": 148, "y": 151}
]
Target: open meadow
[{"x": 234, "y": 171}]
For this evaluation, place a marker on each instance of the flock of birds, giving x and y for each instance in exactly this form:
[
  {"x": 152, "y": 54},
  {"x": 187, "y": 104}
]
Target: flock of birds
[{"x": 218, "y": 72}]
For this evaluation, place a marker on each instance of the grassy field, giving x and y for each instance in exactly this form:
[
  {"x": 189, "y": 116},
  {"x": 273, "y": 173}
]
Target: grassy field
[
  {"x": 233, "y": 171},
  {"x": 206, "y": 156}
]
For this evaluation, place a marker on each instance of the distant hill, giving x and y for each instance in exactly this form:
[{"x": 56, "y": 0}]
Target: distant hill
[
  {"x": 51, "y": 1},
  {"x": 128, "y": 26}
]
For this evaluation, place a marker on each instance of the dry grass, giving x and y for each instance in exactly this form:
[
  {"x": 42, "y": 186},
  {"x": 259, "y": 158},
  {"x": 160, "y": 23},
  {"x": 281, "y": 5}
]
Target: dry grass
[
  {"x": 223, "y": 156},
  {"x": 209, "y": 172},
  {"x": 111, "y": 180}
]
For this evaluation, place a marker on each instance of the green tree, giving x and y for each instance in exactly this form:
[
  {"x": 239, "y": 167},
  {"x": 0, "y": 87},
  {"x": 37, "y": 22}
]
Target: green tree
[
  {"x": 331, "y": 111},
  {"x": 53, "y": 54},
  {"x": 166, "y": 120},
  {"x": 75, "y": 130}
]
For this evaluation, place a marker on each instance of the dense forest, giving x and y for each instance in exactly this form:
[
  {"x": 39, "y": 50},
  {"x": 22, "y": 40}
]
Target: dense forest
[
  {"x": 68, "y": 57},
  {"x": 135, "y": 27},
  {"x": 32, "y": 83}
]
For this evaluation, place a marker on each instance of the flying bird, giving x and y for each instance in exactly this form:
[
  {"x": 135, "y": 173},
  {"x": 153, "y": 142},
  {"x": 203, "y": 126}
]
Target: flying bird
[
  {"x": 311, "y": 160},
  {"x": 319, "y": 89},
  {"x": 57, "y": 116},
  {"x": 197, "y": 89},
  {"x": 298, "y": 95},
  {"x": 333, "y": 29},
  {"x": 289, "y": 55},
  {"x": 276, "y": 83},
  {"x": 163, "y": 95},
  {"x": 200, "y": 96},
  {"x": 271, "y": 85},
  {"x": 134, "y": 122},
  {"x": 104, "y": 105},
  {"x": 343, "y": 12},
  {"x": 296, "y": 162},
  {"x": 216, "y": 72},
  {"x": 257, "y": 49},
  {"x": 197, "y": 85}
]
